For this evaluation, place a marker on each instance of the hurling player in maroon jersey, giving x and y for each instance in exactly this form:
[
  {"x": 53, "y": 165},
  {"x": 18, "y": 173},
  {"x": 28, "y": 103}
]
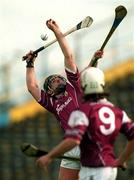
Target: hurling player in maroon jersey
[
  {"x": 59, "y": 96},
  {"x": 95, "y": 128}
]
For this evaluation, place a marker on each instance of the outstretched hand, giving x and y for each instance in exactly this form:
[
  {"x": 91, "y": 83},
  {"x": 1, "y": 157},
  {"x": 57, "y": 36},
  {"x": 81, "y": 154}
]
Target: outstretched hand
[{"x": 51, "y": 24}]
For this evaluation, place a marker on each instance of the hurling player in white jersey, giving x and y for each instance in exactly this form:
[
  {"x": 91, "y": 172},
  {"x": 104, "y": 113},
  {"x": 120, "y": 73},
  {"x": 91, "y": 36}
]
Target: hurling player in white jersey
[{"x": 95, "y": 128}]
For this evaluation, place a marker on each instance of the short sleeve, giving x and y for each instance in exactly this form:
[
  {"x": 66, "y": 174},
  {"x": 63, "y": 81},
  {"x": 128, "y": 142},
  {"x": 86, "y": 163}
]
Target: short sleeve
[{"x": 78, "y": 118}]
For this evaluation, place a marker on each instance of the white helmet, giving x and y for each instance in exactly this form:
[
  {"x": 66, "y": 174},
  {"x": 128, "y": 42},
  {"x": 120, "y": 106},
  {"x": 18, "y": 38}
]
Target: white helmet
[{"x": 92, "y": 81}]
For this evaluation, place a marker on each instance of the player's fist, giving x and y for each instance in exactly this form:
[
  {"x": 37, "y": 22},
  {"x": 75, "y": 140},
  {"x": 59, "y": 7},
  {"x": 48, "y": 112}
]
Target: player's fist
[
  {"x": 98, "y": 54},
  {"x": 30, "y": 56},
  {"x": 43, "y": 161},
  {"x": 122, "y": 165},
  {"x": 51, "y": 24}
]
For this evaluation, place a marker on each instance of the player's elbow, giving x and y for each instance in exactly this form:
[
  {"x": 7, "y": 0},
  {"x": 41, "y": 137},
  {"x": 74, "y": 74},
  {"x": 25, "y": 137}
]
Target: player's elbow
[
  {"x": 30, "y": 87},
  {"x": 77, "y": 142}
]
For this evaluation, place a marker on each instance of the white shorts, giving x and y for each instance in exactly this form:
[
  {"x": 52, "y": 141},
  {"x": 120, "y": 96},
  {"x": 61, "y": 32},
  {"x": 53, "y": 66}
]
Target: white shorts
[
  {"x": 70, "y": 164},
  {"x": 100, "y": 173}
]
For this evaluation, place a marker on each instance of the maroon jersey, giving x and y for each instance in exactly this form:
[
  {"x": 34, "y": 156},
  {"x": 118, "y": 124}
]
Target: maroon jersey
[
  {"x": 63, "y": 106},
  {"x": 97, "y": 129}
]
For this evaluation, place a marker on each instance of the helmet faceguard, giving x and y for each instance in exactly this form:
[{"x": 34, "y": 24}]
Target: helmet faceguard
[
  {"x": 48, "y": 84},
  {"x": 92, "y": 81}
]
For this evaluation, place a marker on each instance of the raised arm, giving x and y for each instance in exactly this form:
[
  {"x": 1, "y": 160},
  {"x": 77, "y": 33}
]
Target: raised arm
[
  {"x": 31, "y": 81},
  {"x": 67, "y": 51},
  {"x": 97, "y": 55}
]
